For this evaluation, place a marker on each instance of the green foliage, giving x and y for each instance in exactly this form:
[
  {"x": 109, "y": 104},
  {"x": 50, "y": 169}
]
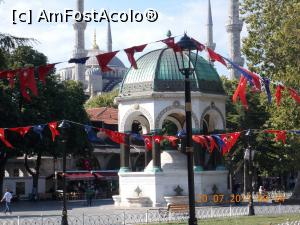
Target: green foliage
[
  {"x": 272, "y": 49},
  {"x": 272, "y": 46},
  {"x": 56, "y": 101},
  {"x": 9, "y": 42},
  {"x": 103, "y": 100}
]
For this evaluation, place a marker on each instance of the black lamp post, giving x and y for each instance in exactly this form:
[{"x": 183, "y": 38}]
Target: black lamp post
[
  {"x": 183, "y": 59},
  {"x": 249, "y": 150},
  {"x": 64, "y": 130}
]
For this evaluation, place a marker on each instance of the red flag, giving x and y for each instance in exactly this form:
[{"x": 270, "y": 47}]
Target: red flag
[
  {"x": 172, "y": 140},
  {"x": 11, "y": 78},
  {"x": 200, "y": 47},
  {"x": 241, "y": 92},
  {"x": 104, "y": 59},
  {"x": 21, "y": 130},
  {"x": 212, "y": 143},
  {"x": 229, "y": 140},
  {"x": 215, "y": 56},
  {"x": 86, "y": 164},
  {"x": 170, "y": 42},
  {"x": 278, "y": 94},
  {"x": 115, "y": 136},
  {"x": 44, "y": 70},
  {"x": 201, "y": 140},
  {"x": 3, "y": 74},
  {"x": 130, "y": 53},
  {"x": 158, "y": 138},
  {"x": 27, "y": 80},
  {"x": 148, "y": 142},
  {"x": 2, "y": 138},
  {"x": 53, "y": 129},
  {"x": 255, "y": 78},
  {"x": 294, "y": 94},
  {"x": 280, "y": 135}
]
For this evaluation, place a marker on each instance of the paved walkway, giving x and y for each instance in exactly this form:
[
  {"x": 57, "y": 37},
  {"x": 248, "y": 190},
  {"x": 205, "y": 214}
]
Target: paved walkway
[{"x": 26, "y": 208}]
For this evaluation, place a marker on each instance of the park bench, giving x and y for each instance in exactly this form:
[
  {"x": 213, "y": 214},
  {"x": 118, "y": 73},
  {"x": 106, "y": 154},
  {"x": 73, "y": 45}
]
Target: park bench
[{"x": 178, "y": 208}]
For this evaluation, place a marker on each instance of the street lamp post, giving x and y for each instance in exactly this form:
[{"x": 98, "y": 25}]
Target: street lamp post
[
  {"x": 249, "y": 149},
  {"x": 183, "y": 59},
  {"x": 64, "y": 127}
]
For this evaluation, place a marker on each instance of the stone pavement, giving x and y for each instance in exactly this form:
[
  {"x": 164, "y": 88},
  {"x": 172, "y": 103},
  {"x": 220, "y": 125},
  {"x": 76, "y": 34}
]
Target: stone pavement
[{"x": 103, "y": 206}]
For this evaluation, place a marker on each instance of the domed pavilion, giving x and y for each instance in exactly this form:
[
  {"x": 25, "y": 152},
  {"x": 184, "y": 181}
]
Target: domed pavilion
[
  {"x": 149, "y": 97},
  {"x": 155, "y": 92}
]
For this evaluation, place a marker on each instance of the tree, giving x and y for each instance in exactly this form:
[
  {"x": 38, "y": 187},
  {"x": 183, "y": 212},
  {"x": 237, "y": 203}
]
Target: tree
[
  {"x": 103, "y": 100},
  {"x": 9, "y": 113},
  {"x": 56, "y": 101},
  {"x": 272, "y": 49},
  {"x": 240, "y": 119}
]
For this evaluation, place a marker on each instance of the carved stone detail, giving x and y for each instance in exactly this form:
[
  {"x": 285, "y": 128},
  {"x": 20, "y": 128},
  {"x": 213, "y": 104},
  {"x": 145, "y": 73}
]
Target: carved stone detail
[
  {"x": 212, "y": 107},
  {"x": 169, "y": 108},
  {"x": 128, "y": 116}
]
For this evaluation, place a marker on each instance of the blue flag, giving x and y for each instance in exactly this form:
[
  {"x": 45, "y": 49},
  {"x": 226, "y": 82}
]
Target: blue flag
[
  {"x": 137, "y": 137},
  {"x": 92, "y": 136},
  {"x": 79, "y": 60},
  {"x": 219, "y": 141},
  {"x": 267, "y": 87},
  {"x": 38, "y": 129},
  {"x": 295, "y": 131},
  {"x": 243, "y": 72}
]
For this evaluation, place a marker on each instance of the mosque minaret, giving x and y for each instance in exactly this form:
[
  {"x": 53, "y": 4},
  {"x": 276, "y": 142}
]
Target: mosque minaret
[
  {"x": 210, "y": 42},
  {"x": 234, "y": 27},
  {"x": 79, "y": 48}
]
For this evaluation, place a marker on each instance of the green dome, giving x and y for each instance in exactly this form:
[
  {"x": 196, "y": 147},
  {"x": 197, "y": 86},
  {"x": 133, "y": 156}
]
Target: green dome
[{"x": 158, "y": 72}]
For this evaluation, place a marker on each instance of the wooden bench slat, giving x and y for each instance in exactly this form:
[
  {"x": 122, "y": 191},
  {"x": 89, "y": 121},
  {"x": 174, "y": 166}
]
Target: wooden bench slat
[{"x": 178, "y": 208}]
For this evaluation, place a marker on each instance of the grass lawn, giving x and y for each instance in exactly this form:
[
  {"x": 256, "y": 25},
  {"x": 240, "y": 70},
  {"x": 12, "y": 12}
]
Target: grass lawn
[{"x": 246, "y": 220}]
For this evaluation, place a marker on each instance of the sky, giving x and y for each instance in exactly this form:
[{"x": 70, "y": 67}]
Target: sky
[{"x": 56, "y": 40}]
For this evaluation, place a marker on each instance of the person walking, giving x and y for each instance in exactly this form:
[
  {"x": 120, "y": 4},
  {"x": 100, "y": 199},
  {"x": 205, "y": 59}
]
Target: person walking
[
  {"x": 7, "y": 198},
  {"x": 89, "y": 196}
]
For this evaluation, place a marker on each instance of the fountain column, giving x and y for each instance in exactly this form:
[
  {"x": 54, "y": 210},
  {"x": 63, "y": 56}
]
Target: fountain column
[
  {"x": 156, "y": 156},
  {"x": 125, "y": 154}
]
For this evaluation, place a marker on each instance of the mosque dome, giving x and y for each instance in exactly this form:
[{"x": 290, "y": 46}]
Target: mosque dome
[
  {"x": 158, "y": 72},
  {"x": 93, "y": 71}
]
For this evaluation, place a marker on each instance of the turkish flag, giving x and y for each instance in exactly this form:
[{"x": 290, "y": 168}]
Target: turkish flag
[
  {"x": 2, "y": 138},
  {"x": 200, "y": 139},
  {"x": 21, "y": 130},
  {"x": 280, "y": 135},
  {"x": 255, "y": 78},
  {"x": 27, "y": 80},
  {"x": 158, "y": 138},
  {"x": 115, "y": 136},
  {"x": 148, "y": 142},
  {"x": 241, "y": 92},
  {"x": 104, "y": 59},
  {"x": 212, "y": 143},
  {"x": 44, "y": 70},
  {"x": 200, "y": 47},
  {"x": 172, "y": 140},
  {"x": 215, "y": 56},
  {"x": 229, "y": 140},
  {"x": 170, "y": 42},
  {"x": 11, "y": 78},
  {"x": 53, "y": 129},
  {"x": 130, "y": 53},
  {"x": 294, "y": 95},
  {"x": 279, "y": 89}
]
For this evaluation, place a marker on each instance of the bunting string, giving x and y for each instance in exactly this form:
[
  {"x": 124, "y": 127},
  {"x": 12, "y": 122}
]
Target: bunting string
[
  {"x": 221, "y": 142},
  {"x": 28, "y": 82}
]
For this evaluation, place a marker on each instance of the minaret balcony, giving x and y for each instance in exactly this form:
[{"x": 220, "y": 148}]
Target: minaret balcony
[{"x": 232, "y": 27}]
